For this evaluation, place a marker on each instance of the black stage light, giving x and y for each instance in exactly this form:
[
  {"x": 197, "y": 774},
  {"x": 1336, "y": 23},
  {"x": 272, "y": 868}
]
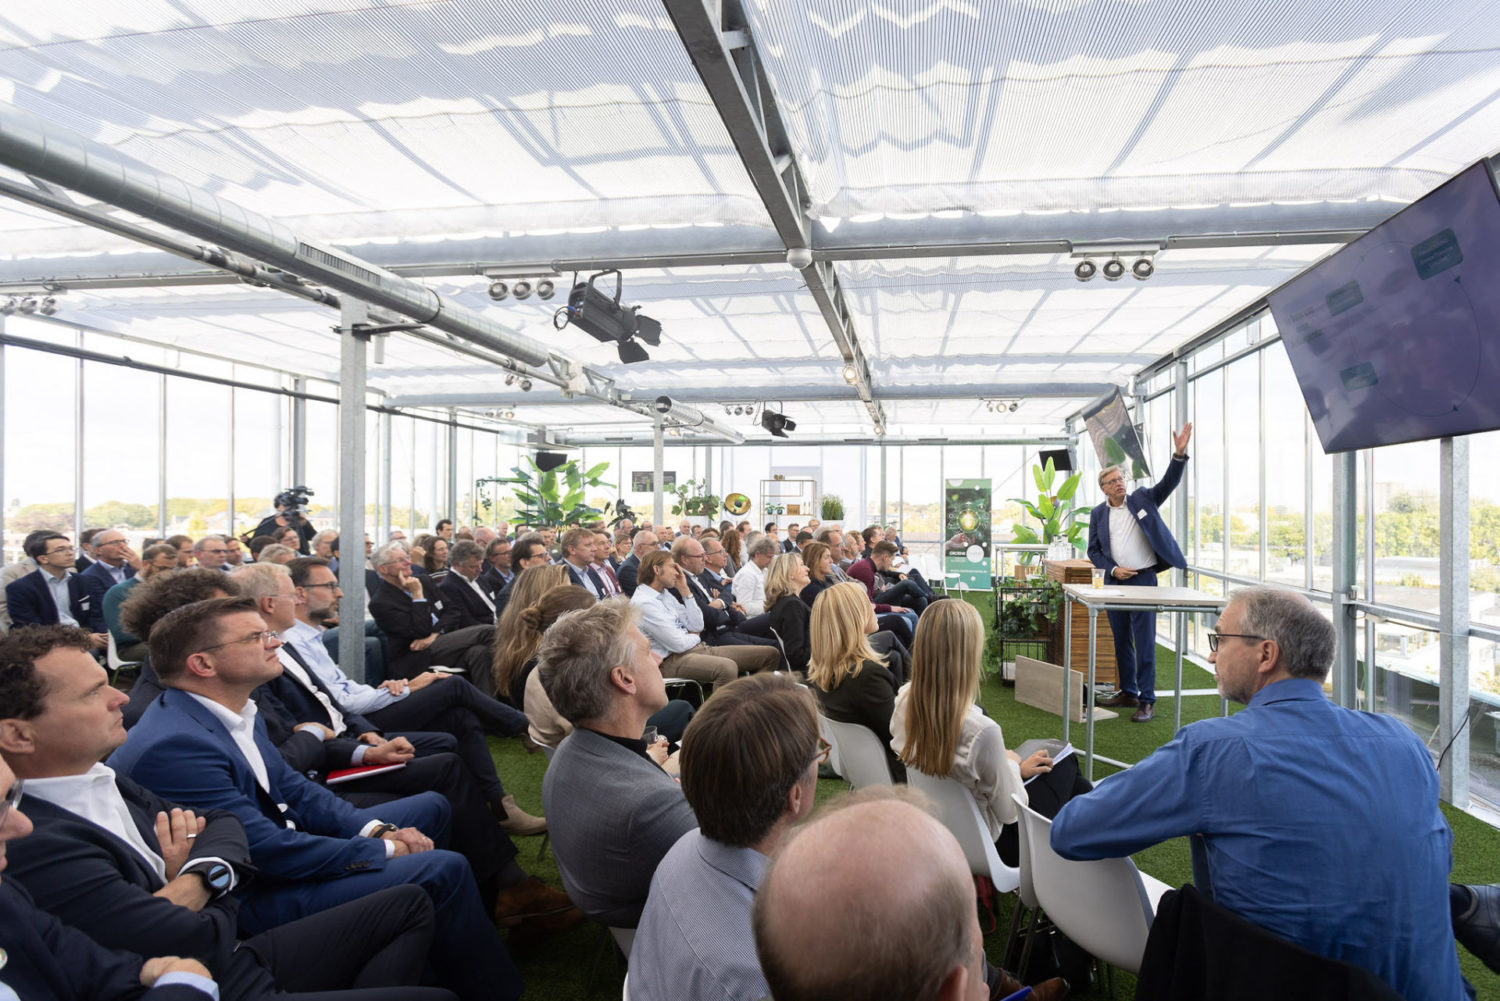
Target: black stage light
[
  {"x": 605, "y": 320},
  {"x": 777, "y": 424},
  {"x": 548, "y": 461}
]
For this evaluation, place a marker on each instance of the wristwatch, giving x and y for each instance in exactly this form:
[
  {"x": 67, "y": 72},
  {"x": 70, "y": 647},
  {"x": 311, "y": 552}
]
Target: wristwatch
[
  {"x": 216, "y": 876},
  {"x": 382, "y": 830}
]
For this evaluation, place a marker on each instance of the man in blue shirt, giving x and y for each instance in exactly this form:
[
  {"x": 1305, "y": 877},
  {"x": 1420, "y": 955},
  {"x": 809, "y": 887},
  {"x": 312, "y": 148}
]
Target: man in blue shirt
[{"x": 1318, "y": 823}]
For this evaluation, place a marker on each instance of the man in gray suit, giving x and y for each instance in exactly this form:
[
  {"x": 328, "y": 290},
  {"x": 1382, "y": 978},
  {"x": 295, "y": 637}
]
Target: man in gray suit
[{"x": 612, "y": 811}]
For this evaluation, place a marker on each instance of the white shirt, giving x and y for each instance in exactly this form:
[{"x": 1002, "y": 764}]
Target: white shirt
[
  {"x": 95, "y": 797},
  {"x": 584, "y": 580},
  {"x": 1127, "y": 543},
  {"x": 118, "y": 573},
  {"x": 672, "y": 626},
  {"x": 58, "y": 586},
  {"x": 350, "y": 693},
  {"x": 750, "y": 588},
  {"x": 295, "y": 671},
  {"x": 474, "y": 585}
]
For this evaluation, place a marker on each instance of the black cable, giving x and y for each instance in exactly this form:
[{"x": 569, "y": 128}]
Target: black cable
[{"x": 1467, "y": 717}]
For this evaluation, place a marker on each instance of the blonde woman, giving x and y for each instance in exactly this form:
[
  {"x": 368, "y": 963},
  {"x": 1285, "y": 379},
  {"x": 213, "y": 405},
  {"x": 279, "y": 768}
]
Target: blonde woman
[
  {"x": 786, "y": 612},
  {"x": 849, "y": 676},
  {"x": 513, "y": 644},
  {"x": 938, "y": 729}
]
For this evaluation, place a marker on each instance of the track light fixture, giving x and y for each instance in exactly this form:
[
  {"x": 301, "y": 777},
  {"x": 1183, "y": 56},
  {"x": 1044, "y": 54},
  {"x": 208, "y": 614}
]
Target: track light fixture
[
  {"x": 1143, "y": 268},
  {"x": 1085, "y": 269},
  {"x": 1113, "y": 270},
  {"x": 49, "y": 306},
  {"x": 499, "y": 291},
  {"x": 1002, "y": 406},
  {"x": 545, "y": 288},
  {"x": 8, "y": 307},
  {"x": 28, "y": 304},
  {"x": 510, "y": 380},
  {"x": 508, "y": 414},
  {"x": 521, "y": 290},
  {"x": 850, "y": 374},
  {"x": 1111, "y": 262},
  {"x": 525, "y": 385}
]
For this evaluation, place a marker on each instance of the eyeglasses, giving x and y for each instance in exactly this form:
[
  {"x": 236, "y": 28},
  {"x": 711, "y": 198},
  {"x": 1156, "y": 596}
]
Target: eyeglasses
[
  {"x": 59, "y": 549},
  {"x": 263, "y": 637},
  {"x": 332, "y": 583},
  {"x": 1214, "y": 638},
  {"x": 12, "y": 800}
]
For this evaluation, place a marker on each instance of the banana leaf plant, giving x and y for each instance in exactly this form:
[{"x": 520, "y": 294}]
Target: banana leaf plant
[
  {"x": 555, "y": 497},
  {"x": 1059, "y": 518}
]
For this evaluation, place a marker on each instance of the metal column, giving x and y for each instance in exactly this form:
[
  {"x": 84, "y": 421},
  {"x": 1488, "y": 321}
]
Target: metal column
[
  {"x": 161, "y": 459},
  {"x": 452, "y": 506},
  {"x": 1180, "y": 529},
  {"x": 658, "y": 517},
  {"x": 229, "y": 512},
  {"x": 299, "y": 433},
  {"x": 1453, "y": 619},
  {"x": 2, "y": 443},
  {"x": 352, "y": 350},
  {"x": 78, "y": 450},
  {"x": 386, "y": 497},
  {"x": 1345, "y": 674}
]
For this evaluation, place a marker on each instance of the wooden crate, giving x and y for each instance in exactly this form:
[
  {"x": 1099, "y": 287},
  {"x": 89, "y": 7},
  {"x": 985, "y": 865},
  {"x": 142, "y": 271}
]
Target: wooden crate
[{"x": 1081, "y": 572}]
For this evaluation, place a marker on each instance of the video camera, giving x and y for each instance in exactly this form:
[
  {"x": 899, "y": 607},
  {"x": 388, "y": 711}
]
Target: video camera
[{"x": 293, "y": 502}]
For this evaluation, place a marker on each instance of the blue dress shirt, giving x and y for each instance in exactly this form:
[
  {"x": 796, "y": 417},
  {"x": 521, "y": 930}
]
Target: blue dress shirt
[{"x": 1318, "y": 823}]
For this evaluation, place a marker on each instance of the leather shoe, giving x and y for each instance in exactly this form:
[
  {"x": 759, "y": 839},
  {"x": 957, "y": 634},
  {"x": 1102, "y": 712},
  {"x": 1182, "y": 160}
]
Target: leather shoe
[
  {"x": 1118, "y": 699},
  {"x": 1048, "y": 990},
  {"x": 514, "y": 820},
  {"x": 529, "y": 900},
  {"x": 1476, "y": 921},
  {"x": 1144, "y": 713}
]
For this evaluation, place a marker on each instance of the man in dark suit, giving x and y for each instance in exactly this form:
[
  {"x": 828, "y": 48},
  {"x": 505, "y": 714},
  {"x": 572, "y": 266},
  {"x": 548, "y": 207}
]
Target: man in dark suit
[
  {"x": 467, "y": 599},
  {"x": 1129, "y": 540},
  {"x": 137, "y": 873},
  {"x": 723, "y": 621},
  {"x": 789, "y": 544},
  {"x": 645, "y": 542},
  {"x": 578, "y": 557},
  {"x": 201, "y": 744},
  {"x": 409, "y": 617},
  {"x": 116, "y": 564},
  {"x": 529, "y": 551},
  {"x": 497, "y": 573},
  {"x": 86, "y": 549},
  {"x": 53, "y": 593},
  {"x": 44, "y": 958}
]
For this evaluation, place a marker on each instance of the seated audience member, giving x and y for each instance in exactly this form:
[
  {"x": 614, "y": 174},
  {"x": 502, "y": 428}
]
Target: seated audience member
[
  {"x": 290, "y": 538},
  {"x": 549, "y": 539},
  {"x": 482, "y": 536},
  {"x": 202, "y": 745},
  {"x": 603, "y": 548},
  {"x": 620, "y": 551},
  {"x": 1296, "y": 857},
  {"x": 938, "y": 729},
  {"x": 578, "y": 558},
  {"x": 258, "y": 543},
  {"x": 750, "y": 581},
  {"x": 803, "y": 539},
  {"x": 434, "y": 555},
  {"x": 899, "y": 620},
  {"x": 515, "y": 654},
  {"x": 905, "y": 593},
  {"x": 848, "y": 553},
  {"x": 612, "y": 811},
  {"x": 547, "y": 727},
  {"x": 467, "y": 600},
  {"x": 725, "y": 625},
  {"x": 54, "y": 593},
  {"x": 444, "y": 530},
  {"x": 528, "y": 551},
  {"x": 409, "y": 616},
  {"x": 184, "y": 546},
  {"x": 45, "y": 958},
  {"x": 85, "y": 557},
  {"x": 786, "y": 612},
  {"x": 322, "y": 544},
  {"x": 11, "y": 572},
  {"x": 789, "y": 544},
  {"x": 749, "y": 772},
  {"x": 430, "y": 701},
  {"x": 870, "y": 535},
  {"x": 137, "y": 873},
  {"x": 316, "y": 734},
  {"x": 848, "y": 675},
  {"x": 673, "y": 624},
  {"x": 825, "y": 929},
  {"x": 236, "y": 555},
  {"x": 497, "y": 573},
  {"x": 159, "y": 558},
  {"x": 148, "y": 604},
  {"x": 645, "y": 542},
  {"x": 526, "y": 590},
  {"x": 211, "y": 552},
  {"x": 115, "y": 563},
  {"x": 275, "y": 553}
]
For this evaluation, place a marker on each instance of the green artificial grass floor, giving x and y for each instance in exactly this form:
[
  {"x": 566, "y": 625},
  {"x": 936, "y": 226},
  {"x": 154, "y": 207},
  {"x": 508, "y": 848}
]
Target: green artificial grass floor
[{"x": 576, "y": 965}]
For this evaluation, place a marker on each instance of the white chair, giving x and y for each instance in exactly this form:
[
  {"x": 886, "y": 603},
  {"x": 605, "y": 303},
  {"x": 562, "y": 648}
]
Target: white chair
[
  {"x": 959, "y": 813},
  {"x": 685, "y": 682},
  {"x": 625, "y": 988},
  {"x": 1027, "y": 892},
  {"x": 1106, "y": 906},
  {"x": 861, "y": 758},
  {"x": 112, "y": 658},
  {"x": 624, "y": 938},
  {"x": 826, "y": 733}
]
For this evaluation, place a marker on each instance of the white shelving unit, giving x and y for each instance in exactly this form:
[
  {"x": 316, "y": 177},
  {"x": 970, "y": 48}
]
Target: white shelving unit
[{"x": 799, "y": 494}]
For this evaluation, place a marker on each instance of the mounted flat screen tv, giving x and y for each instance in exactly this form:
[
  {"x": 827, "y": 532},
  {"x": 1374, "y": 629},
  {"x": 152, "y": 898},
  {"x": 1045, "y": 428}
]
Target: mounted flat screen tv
[{"x": 1396, "y": 337}]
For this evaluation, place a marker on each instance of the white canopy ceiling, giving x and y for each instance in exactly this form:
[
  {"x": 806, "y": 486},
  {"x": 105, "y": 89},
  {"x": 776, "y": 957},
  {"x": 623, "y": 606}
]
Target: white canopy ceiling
[{"x": 442, "y": 139}]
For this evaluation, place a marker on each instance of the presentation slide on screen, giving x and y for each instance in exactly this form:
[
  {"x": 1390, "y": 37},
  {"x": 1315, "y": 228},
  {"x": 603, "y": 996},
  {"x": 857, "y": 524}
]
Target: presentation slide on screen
[{"x": 1394, "y": 338}]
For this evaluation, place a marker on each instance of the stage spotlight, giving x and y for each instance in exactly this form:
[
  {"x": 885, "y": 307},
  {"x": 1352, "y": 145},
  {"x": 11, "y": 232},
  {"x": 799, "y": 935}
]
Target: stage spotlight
[
  {"x": 521, "y": 289},
  {"x": 1114, "y": 269},
  {"x": 49, "y": 306},
  {"x": 879, "y": 430},
  {"x": 605, "y": 320},
  {"x": 1085, "y": 269},
  {"x": 545, "y": 288},
  {"x": 1014, "y": 406},
  {"x": 8, "y": 308},
  {"x": 510, "y": 380},
  {"x": 1143, "y": 268},
  {"x": 499, "y": 290},
  {"x": 850, "y": 374},
  {"x": 525, "y": 385},
  {"x": 28, "y": 305},
  {"x": 508, "y": 414},
  {"x": 777, "y": 424}
]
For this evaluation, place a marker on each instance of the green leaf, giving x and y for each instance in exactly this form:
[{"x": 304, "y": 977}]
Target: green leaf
[
  {"x": 1036, "y": 474},
  {"x": 1069, "y": 487},
  {"x": 1044, "y": 505},
  {"x": 1023, "y": 533},
  {"x": 1049, "y": 473},
  {"x": 597, "y": 471}
]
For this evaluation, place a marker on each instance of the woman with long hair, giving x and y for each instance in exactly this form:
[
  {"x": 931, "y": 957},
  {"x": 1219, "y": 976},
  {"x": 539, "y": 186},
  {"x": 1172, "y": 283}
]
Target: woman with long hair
[
  {"x": 850, "y": 677},
  {"x": 511, "y": 651},
  {"x": 733, "y": 545},
  {"x": 818, "y": 559},
  {"x": 938, "y": 729},
  {"x": 787, "y": 612}
]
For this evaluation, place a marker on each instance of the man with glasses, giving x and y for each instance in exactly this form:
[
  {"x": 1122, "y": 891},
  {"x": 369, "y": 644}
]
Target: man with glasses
[
  {"x": 53, "y": 594},
  {"x": 212, "y": 552},
  {"x": 723, "y": 620},
  {"x": 202, "y": 744},
  {"x": 1130, "y": 541},
  {"x": 497, "y": 573},
  {"x": 530, "y": 550},
  {"x": 159, "y": 558},
  {"x": 1316, "y": 822},
  {"x": 114, "y": 563},
  {"x": 409, "y": 617}
]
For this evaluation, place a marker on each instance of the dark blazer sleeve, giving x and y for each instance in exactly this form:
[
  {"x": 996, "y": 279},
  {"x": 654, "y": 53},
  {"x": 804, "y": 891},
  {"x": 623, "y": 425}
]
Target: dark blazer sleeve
[
  {"x": 28, "y": 603},
  {"x": 627, "y": 574},
  {"x": 1169, "y": 480},
  {"x": 789, "y": 617},
  {"x": 96, "y": 582},
  {"x": 398, "y": 616},
  {"x": 1098, "y": 518},
  {"x": 302, "y": 750}
]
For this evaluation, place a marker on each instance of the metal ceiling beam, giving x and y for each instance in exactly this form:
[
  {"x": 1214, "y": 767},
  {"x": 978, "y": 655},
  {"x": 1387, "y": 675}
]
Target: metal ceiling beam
[
  {"x": 709, "y": 398},
  {"x": 717, "y": 37},
  {"x": 966, "y": 235}
]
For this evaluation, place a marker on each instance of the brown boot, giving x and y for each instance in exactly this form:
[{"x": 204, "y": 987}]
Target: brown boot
[
  {"x": 516, "y": 821},
  {"x": 1055, "y": 989},
  {"x": 528, "y": 900}
]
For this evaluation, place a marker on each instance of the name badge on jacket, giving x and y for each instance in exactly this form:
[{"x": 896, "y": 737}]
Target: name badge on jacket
[{"x": 1140, "y": 516}]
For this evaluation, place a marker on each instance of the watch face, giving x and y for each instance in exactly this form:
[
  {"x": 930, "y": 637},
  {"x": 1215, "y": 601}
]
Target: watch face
[{"x": 218, "y": 876}]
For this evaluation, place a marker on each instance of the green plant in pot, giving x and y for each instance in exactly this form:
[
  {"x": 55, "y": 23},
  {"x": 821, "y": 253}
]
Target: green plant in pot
[
  {"x": 1055, "y": 510},
  {"x": 695, "y": 500},
  {"x": 556, "y": 497},
  {"x": 832, "y": 508}
]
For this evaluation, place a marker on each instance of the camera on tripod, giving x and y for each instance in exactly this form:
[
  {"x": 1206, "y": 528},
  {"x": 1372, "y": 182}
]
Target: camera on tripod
[{"x": 293, "y": 503}]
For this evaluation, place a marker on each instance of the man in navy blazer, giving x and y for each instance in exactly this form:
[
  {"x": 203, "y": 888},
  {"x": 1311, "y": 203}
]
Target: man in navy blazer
[
  {"x": 135, "y": 872},
  {"x": 1129, "y": 540},
  {"x": 33, "y": 600},
  {"x": 201, "y": 744},
  {"x": 116, "y": 564}
]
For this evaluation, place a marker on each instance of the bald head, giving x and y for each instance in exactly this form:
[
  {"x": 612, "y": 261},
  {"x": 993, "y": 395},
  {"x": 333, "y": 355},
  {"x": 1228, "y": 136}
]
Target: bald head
[{"x": 825, "y": 928}]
